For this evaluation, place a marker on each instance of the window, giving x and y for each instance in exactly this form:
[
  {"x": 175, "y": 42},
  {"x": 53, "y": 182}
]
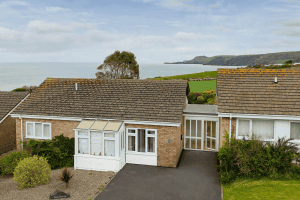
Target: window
[
  {"x": 295, "y": 131},
  {"x": 261, "y": 128},
  {"x": 96, "y": 143},
  {"x": 141, "y": 140},
  {"x": 38, "y": 130}
]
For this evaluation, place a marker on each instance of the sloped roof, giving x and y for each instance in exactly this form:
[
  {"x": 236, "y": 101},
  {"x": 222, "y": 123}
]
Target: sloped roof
[
  {"x": 253, "y": 91},
  {"x": 131, "y": 99},
  {"x": 9, "y": 100},
  {"x": 201, "y": 109}
]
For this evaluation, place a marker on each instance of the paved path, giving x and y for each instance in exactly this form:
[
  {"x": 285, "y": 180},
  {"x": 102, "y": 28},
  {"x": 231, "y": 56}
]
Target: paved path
[{"x": 195, "y": 178}]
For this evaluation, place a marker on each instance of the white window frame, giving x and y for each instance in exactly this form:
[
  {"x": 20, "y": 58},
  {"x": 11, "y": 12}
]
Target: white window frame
[
  {"x": 77, "y": 136},
  {"x": 136, "y": 142},
  {"x": 290, "y": 124},
  {"x": 250, "y": 129},
  {"x": 34, "y": 137}
]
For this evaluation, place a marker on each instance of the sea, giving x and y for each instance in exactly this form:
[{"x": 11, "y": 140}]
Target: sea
[{"x": 19, "y": 74}]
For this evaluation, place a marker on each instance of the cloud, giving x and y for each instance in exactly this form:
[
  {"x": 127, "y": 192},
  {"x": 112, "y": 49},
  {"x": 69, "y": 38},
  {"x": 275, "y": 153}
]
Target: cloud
[
  {"x": 13, "y": 3},
  {"x": 40, "y": 36},
  {"x": 221, "y": 28},
  {"x": 54, "y": 9}
]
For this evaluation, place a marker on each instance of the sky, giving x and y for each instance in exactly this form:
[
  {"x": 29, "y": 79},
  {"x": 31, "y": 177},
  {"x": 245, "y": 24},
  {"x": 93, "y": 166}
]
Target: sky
[{"x": 156, "y": 31}]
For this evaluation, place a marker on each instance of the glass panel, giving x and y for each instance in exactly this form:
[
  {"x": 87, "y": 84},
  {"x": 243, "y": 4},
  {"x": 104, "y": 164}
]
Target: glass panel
[
  {"x": 295, "y": 131},
  {"x": 213, "y": 129},
  {"x": 141, "y": 140},
  {"x": 193, "y": 127},
  {"x": 83, "y": 146},
  {"x": 205, "y": 131},
  {"x": 96, "y": 143},
  {"x": 213, "y": 144},
  {"x": 131, "y": 143},
  {"x": 244, "y": 126},
  {"x": 151, "y": 144},
  {"x": 109, "y": 146},
  {"x": 198, "y": 143},
  {"x": 263, "y": 129},
  {"x": 198, "y": 128},
  {"x": 187, "y": 128},
  {"x": 109, "y": 135},
  {"x": 187, "y": 143},
  {"x": 193, "y": 143},
  {"x": 209, "y": 128},
  {"x": 38, "y": 130},
  {"x": 151, "y": 132},
  {"x": 83, "y": 133},
  {"x": 30, "y": 129},
  {"x": 121, "y": 141},
  {"x": 46, "y": 130},
  {"x": 131, "y": 131},
  {"x": 208, "y": 143}
]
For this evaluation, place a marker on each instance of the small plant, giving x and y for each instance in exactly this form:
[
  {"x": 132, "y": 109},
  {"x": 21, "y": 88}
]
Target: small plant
[
  {"x": 32, "y": 171},
  {"x": 65, "y": 176},
  {"x": 102, "y": 188}
]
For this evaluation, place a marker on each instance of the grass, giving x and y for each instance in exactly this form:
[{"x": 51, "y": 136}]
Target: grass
[
  {"x": 212, "y": 74},
  {"x": 262, "y": 189},
  {"x": 201, "y": 86}
]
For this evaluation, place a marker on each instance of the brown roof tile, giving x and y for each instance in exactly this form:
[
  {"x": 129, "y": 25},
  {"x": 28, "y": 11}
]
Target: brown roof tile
[
  {"x": 9, "y": 100},
  {"x": 143, "y": 100},
  {"x": 253, "y": 91}
]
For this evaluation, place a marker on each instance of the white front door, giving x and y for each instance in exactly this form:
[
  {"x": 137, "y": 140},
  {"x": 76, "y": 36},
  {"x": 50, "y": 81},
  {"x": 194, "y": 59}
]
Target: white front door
[{"x": 210, "y": 131}]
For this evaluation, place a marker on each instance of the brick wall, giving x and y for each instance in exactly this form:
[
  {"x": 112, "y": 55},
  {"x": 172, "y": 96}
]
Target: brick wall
[
  {"x": 168, "y": 153},
  {"x": 7, "y": 135},
  {"x": 58, "y": 127},
  {"x": 225, "y": 125}
]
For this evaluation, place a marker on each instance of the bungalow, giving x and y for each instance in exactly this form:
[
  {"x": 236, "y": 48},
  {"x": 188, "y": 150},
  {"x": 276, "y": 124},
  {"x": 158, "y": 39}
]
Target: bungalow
[
  {"x": 8, "y": 102},
  {"x": 113, "y": 121},
  {"x": 149, "y": 122}
]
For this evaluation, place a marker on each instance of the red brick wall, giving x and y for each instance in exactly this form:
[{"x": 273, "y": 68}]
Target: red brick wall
[
  {"x": 58, "y": 127},
  {"x": 7, "y": 135},
  {"x": 168, "y": 153}
]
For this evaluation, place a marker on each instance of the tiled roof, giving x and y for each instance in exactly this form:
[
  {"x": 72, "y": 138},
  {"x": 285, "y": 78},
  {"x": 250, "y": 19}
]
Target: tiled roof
[
  {"x": 253, "y": 91},
  {"x": 9, "y": 100},
  {"x": 130, "y": 99}
]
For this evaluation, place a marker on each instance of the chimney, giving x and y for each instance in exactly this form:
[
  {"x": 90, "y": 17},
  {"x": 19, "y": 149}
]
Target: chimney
[
  {"x": 76, "y": 86},
  {"x": 275, "y": 81}
]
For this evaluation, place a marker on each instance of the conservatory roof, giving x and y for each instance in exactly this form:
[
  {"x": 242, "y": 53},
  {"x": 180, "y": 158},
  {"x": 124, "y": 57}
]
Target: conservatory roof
[{"x": 100, "y": 125}]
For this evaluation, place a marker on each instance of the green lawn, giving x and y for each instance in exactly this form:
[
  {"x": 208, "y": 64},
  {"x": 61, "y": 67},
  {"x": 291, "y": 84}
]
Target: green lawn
[
  {"x": 262, "y": 189},
  {"x": 201, "y": 86}
]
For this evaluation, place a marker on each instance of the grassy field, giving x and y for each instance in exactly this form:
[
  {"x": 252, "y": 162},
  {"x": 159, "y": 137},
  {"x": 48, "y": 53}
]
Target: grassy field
[
  {"x": 262, "y": 189},
  {"x": 212, "y": 74},
  {"x": 201, "y": 86}
]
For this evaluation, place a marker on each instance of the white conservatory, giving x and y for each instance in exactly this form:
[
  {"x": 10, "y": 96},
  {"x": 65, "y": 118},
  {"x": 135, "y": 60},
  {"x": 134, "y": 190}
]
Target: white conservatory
[{"x": 100, "y": 145}]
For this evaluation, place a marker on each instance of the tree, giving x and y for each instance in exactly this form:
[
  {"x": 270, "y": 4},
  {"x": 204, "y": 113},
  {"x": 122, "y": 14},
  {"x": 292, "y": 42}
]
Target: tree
[
  {"x": 119, "y": 66},
  {"x": 289, "y": 62}
]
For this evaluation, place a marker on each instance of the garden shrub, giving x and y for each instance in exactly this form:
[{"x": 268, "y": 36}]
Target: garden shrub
[
  {"x": 254, "y": 159},
  {"x": 9, "y": 162},
  {"x": 59, "y": 151},
  {"x": 32, "y": 171},
  {"x": 201, "y": 97}
]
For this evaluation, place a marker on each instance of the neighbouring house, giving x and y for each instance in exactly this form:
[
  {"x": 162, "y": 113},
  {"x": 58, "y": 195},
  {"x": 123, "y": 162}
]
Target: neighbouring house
[
  {"x": 149, "y": 122},
  {"x": 113, "y": 121},
  {"x": 8, "y": 102}
]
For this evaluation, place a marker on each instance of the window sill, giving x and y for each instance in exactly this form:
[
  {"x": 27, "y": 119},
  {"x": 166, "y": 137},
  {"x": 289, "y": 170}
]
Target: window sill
[
  {"x": 142, "y": 154},
  {"x": 98, "y": 157},
  {"x": 40, "y": 138}
]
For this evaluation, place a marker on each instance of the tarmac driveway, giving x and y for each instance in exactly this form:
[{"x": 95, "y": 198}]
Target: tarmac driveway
[{"x": 195, "y": 178}]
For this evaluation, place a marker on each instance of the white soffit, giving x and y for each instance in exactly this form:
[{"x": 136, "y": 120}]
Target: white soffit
[
  {"x": 113, "y": 126},
  {"x": 85, "y": 124},
  {"x": 99, "y": 125}
]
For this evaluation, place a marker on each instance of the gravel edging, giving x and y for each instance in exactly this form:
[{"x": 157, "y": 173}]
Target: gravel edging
[{"x": 84, "y": 184}]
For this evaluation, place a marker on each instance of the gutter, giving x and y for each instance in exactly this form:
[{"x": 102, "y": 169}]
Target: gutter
[{"x": 21, "y": 131}]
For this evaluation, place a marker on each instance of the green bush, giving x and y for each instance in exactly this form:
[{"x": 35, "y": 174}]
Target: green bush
[
  {"x": 254, "y": 159},
  {"x": 59, "y": 151},
  {"x": 32, "y": 171},
  {"x": 19, "y": 90},
  {"x": 9, "y": 162},
  {"x": 206, "y": 97}
]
